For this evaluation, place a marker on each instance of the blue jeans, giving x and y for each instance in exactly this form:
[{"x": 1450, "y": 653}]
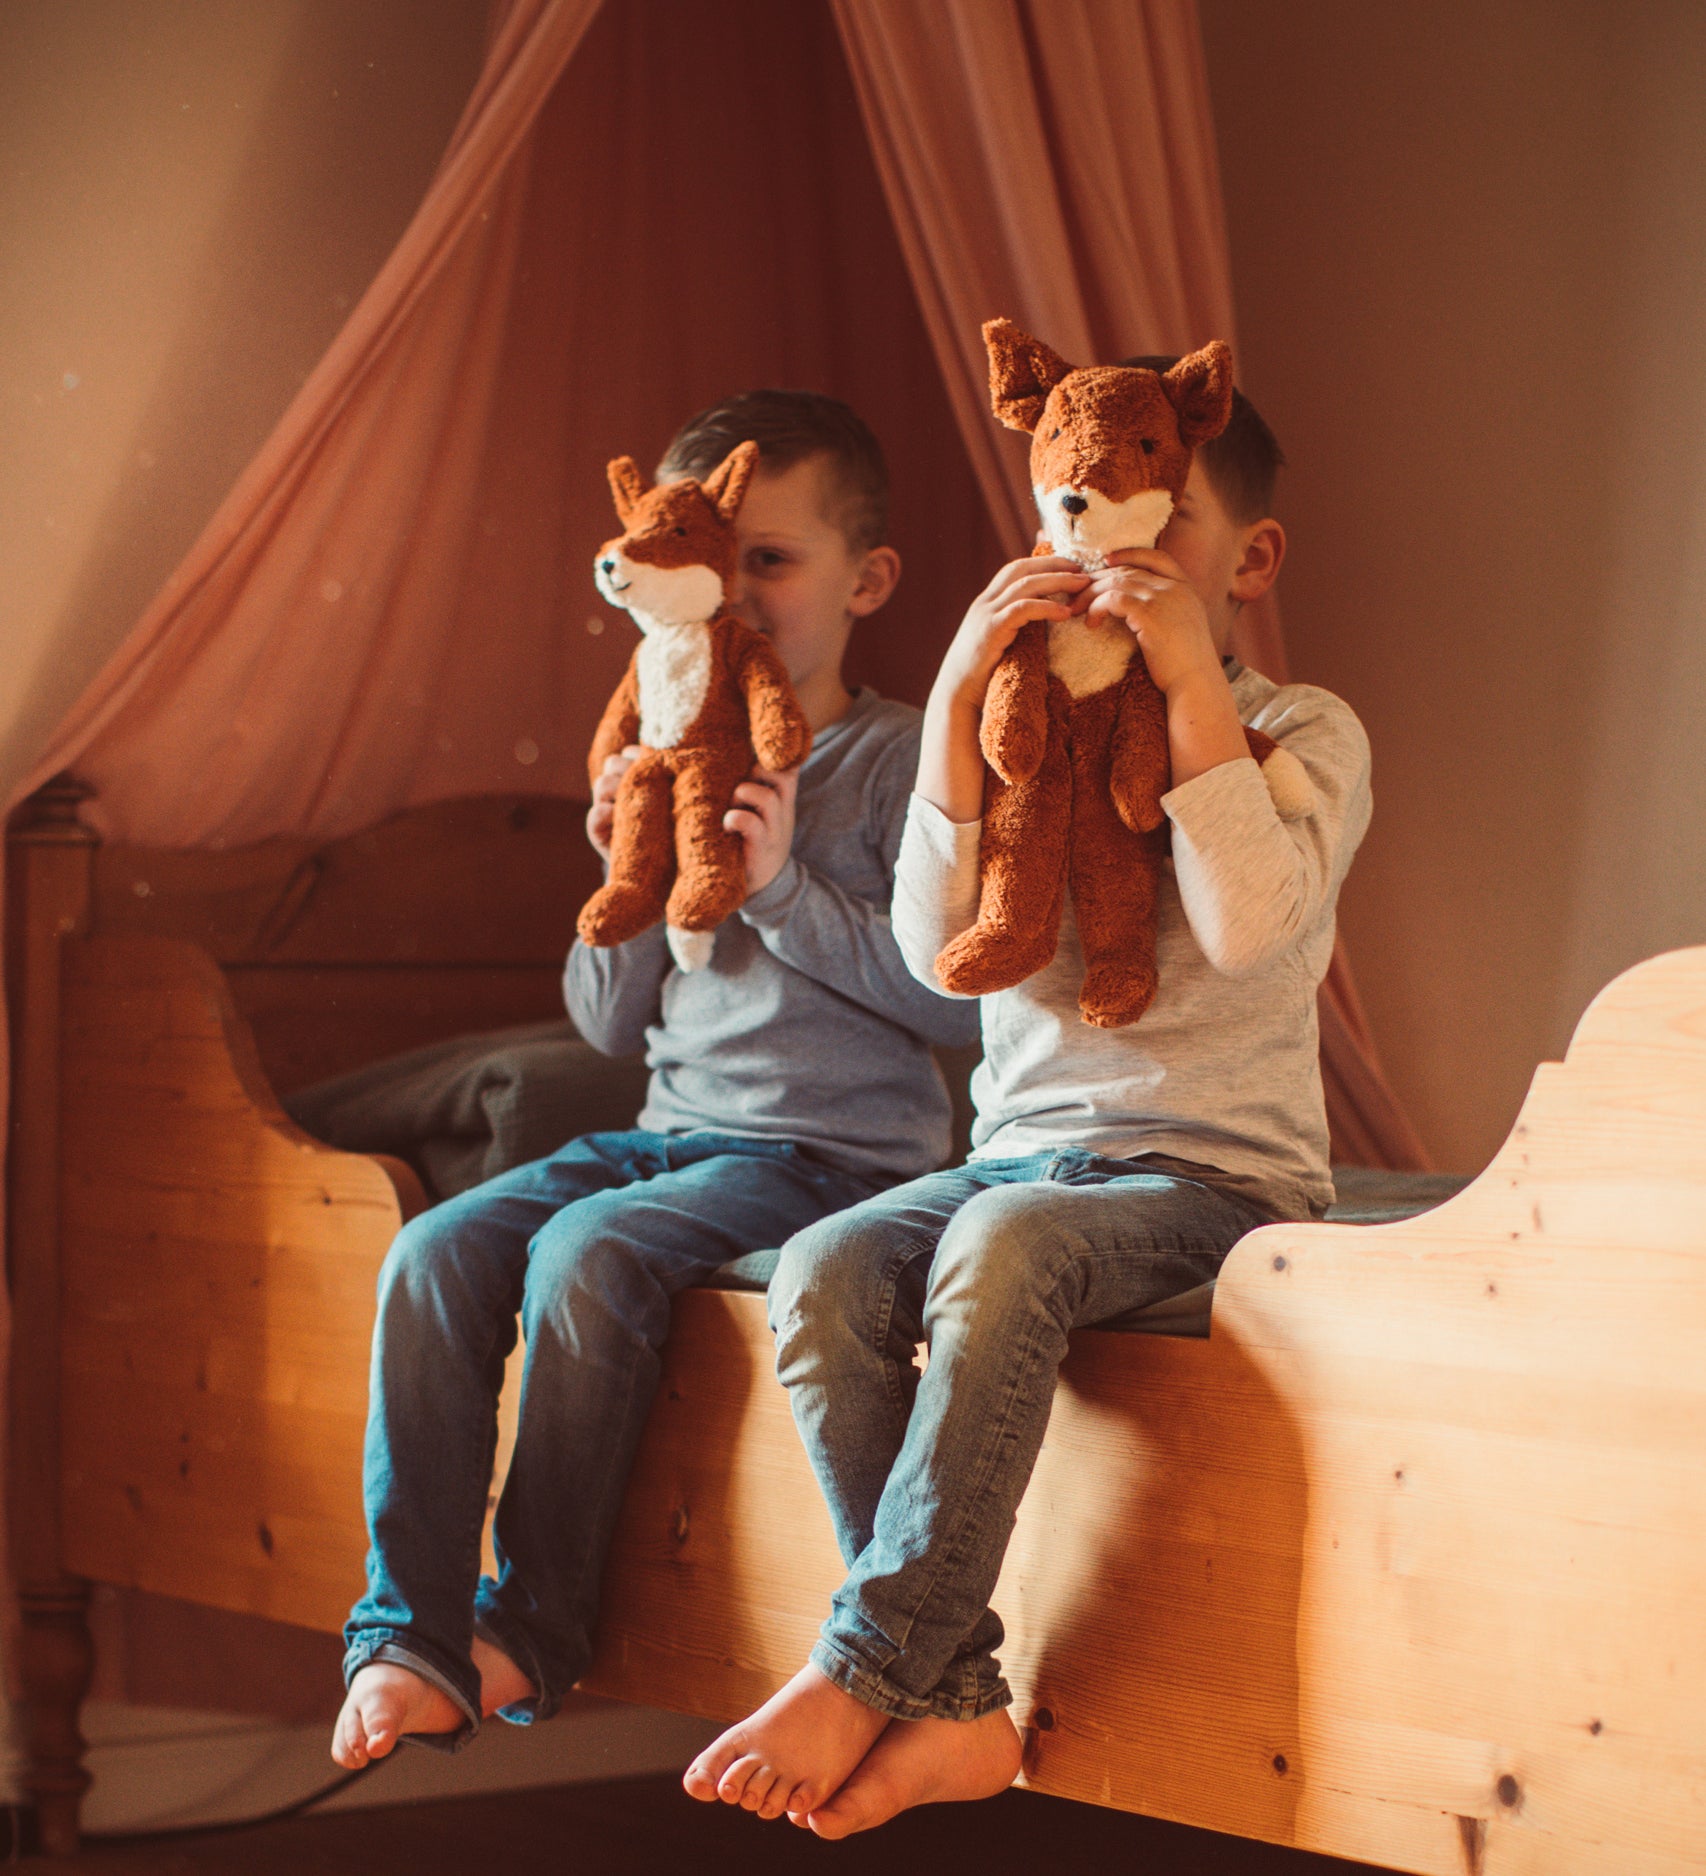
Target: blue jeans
[
  {"x": 990, "y": 1264},
  {"x": 590, "y": 1246}
]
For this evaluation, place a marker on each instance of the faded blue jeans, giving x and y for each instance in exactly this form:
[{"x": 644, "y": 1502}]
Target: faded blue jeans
[
  {"x": 590, "y": 1246},
  {"x": 991, "y": 1264}
]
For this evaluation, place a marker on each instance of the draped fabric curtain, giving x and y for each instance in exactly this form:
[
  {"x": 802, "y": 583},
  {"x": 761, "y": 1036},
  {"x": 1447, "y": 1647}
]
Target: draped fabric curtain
[
  {"x": 276, "y": 665},
  {"x": 1056, "y": 162},
  {"x": 375, "y": 616}
]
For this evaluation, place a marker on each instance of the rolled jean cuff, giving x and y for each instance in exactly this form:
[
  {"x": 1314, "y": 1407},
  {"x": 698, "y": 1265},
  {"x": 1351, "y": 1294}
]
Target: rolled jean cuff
[
  {"x": 494, "y": 1624},
  {"x": 874, "y": 1690},
  {"x": 384, "y": 1645}
]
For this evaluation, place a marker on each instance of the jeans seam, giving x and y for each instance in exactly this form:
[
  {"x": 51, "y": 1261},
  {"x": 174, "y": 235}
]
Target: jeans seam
[
  {"x": 954, "y": 1551},
  {"x": 888, "y": 1291}
]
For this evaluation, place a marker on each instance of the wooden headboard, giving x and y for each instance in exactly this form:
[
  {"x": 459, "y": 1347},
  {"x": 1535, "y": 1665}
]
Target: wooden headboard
[{"x": 444, "y": 920}]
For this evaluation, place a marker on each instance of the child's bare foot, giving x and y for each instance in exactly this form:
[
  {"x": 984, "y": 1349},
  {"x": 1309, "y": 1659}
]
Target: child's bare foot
[
  {"x": 792, "y": 1754},
  {"x": 384, "y": 1702},
  {"x": 921, "y": 1762},
  {"x": 501, "y": 1681}
]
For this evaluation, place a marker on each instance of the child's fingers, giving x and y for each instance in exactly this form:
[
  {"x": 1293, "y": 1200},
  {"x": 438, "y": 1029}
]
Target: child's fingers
[
  {"x": 1031, "y": 563},
  {"x": 758, "y": 796},
  {"x": 745, "y": 822},
  {"x": 1022, "y": 611},
  {"x": 1145, "y": 559},
  {"x": 1032, "y": 585}
]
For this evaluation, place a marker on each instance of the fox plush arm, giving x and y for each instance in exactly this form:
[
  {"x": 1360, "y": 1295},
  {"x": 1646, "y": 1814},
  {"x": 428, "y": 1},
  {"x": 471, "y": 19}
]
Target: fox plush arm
[
  {"x": 1014, "y": 732},
  {"x": 1140, "y": 773},
  {"x": 781, "y": 735},
  {"x": 620, "y": 724}
]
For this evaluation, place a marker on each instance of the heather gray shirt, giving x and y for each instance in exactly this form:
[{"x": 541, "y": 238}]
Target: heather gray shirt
[
  {"x": 806, "y": 1025},
  {"x": 1223, "y": 1068}
]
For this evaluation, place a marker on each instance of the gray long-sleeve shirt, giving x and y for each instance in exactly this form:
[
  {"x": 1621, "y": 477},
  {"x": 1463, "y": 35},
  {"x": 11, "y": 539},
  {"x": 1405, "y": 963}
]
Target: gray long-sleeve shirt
[
  {"x": 1223, "y": 1068},
  {"x": 806, "y": 1025}
]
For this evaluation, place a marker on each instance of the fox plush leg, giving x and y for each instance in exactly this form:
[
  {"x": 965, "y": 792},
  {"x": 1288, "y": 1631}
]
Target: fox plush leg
[
  {"x": 710, "y": 880},
  {"x": 1114, "y": 877},
  {"x": 642, "y": 857},
  {"x": 1023, "y": 886}
]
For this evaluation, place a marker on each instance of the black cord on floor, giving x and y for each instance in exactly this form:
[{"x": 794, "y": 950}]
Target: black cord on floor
[{"x": 294, "y": 1809}]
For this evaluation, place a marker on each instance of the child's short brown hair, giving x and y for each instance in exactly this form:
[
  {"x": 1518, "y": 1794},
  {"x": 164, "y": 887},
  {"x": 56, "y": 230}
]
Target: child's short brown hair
[
  {"x": 789, "y": 426},
  {"x": 1243, "y": 462}
]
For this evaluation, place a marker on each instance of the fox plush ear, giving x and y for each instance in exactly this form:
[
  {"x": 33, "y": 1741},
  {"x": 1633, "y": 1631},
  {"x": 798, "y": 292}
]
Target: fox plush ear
[
  {"x": 627, "y": 485},
  {"x": 1199, "y": 387},
  {"x": 1022, "y": 372},
  {"x": 726, "y": 484}
]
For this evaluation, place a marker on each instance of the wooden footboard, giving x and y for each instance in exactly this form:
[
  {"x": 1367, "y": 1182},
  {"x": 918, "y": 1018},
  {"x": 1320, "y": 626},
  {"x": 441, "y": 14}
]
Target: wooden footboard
[
  {"x": 1403, "y": 1564},
  {"x": 192, "y": 1277},
  {"x": 219, "y": 1269},
  {"x": 1406, "y": 1564}
]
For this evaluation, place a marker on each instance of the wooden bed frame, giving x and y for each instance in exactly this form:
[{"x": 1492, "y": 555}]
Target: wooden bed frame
[{"x": 1403, "y": 1564}]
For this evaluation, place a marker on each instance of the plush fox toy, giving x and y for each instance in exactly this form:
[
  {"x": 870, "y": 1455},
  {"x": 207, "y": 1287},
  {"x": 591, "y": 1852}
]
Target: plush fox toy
[
  {"x": 703, "y": 695},
  {"x": 1074, "y": 728}
]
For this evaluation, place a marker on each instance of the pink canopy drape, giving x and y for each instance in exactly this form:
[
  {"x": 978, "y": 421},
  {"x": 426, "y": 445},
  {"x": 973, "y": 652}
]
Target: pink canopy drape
[
  {"x": 392, "y": 604},
  {"x": 1056, "y": 162}
]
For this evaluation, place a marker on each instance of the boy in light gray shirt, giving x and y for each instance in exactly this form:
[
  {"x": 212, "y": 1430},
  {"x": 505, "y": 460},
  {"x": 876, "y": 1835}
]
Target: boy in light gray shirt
[
  {"x": 791, "y": 1076},
  {"x": 1110, "y": 1169}
]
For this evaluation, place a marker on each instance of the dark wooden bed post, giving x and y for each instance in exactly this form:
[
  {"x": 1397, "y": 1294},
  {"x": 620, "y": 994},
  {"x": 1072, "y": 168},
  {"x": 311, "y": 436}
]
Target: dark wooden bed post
[{"x": 47, "y": 899}]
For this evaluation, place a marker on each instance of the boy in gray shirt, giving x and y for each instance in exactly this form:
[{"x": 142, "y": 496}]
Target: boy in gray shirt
[
  {"x": 1110, "y": 1167},
  {"x": 791, "y": 1077}
]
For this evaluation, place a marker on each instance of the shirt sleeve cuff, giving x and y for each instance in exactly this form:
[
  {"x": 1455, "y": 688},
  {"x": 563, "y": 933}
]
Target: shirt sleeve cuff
[
  {"x": 1229, "y": 792},
  {"x": 770, "y": 906},
  {"x": 946, "y": 842}
]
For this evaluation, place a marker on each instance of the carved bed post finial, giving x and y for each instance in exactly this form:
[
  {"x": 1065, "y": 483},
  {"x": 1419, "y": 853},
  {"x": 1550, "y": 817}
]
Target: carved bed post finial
[
  {"x": 52, "y": 812},
  {"x": 49, "y": 869}
]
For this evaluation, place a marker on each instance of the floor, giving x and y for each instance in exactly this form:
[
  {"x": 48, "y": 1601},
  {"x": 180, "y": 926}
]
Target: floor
[{"x": 638, "y": 1826}]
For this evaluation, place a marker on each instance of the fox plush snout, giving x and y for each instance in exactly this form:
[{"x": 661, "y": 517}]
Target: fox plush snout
[{"x": 1111, "y": 444}]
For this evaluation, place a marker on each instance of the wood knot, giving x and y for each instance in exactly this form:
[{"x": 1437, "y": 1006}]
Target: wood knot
[
  {"x": 1043, "y": 1720},
  {"x": 266, "y": 1537},
  {"x": 1509, "y": 1792},
  {"x": 678, "y": 1525},
  {"x": 1279, "y": 1263},
  {"x": 1280, "y": 1764}
]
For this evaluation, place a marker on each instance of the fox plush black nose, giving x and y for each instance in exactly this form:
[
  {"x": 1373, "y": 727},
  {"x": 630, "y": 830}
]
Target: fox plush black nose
[
  {"x": 607, "y": 566},
  {"x": 1074, "y": 504}
]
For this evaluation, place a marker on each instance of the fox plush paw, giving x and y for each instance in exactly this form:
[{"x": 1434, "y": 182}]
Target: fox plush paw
[{"x": 691, "y": 949}]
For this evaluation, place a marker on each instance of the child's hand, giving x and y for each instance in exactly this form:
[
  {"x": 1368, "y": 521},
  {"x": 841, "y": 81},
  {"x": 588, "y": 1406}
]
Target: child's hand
[
  {"x": 1149, "y": 591},
  {"x": 602, "y": 813},
  {"x": 1037, "y": 587},
  {"x": 764, "y": 818}
]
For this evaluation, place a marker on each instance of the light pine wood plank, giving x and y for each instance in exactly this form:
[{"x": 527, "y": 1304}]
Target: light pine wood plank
[
  {"x": 1405, "y": 1564},
  {"x": 220, "y": 1269}
]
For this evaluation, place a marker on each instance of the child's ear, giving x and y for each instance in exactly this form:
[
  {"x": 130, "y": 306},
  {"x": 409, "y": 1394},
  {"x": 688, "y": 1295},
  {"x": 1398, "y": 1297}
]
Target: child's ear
[
  {"x": 1199, "y": 387},
  {"x": 627, "y": 486},
  {"x": 1022, "y": 372},
  {"x": 1259, "y": 562},
  {"x": 726, "y": 484},
  {"x": 878, "y": 577}
]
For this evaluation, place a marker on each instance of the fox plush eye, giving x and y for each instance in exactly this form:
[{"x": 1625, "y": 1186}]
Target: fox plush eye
[
  {"x": 683, "y": 530},
  {"x": 1149, "y": 446},
  {"x": 1054, "y": 433}
]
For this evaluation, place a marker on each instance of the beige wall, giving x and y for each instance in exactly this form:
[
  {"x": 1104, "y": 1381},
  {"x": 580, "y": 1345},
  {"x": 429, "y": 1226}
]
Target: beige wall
[
  {"x": 1468, "y": 246},
  {"x": 192, "y": 196}
]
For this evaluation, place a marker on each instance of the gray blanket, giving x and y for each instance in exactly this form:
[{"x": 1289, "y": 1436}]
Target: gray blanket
[{"x": 463, "y": 1111}]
